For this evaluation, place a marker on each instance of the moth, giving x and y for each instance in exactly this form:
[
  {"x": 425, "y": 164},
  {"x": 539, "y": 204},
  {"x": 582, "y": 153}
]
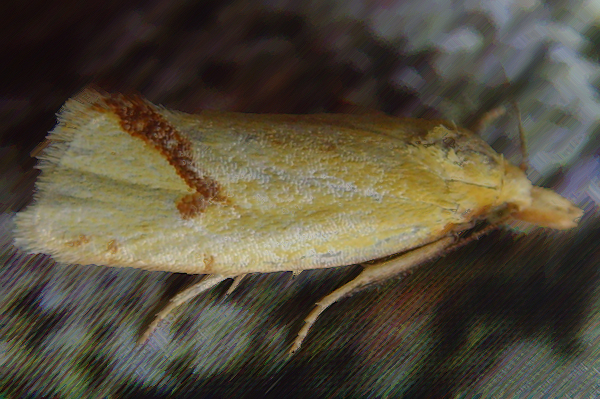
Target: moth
[{"x": 128, "y": 184}]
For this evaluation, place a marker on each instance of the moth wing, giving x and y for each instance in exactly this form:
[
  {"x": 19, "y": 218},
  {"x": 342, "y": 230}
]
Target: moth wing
[{"x": 125, "y": 183}]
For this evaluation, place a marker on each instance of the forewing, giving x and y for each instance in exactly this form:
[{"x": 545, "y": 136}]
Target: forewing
[{"x": 129, "y": 184}]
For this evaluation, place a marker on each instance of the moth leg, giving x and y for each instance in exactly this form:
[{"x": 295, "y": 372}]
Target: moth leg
[
  {"x": 372, "y": 274},
  {"x": 486, "y": 119},
  {"x": 179, "y": 299},
  {"x": 489, "y": 117},
  {"x": 236, "y": 282}
]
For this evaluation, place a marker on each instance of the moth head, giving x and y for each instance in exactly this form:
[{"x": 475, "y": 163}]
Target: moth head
[
  {"x": 536, "y": 205},
  {"x": 549, "y": 209}
]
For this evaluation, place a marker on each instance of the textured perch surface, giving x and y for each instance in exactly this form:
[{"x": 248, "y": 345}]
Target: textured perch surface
[{"x": 508, "y": 316}]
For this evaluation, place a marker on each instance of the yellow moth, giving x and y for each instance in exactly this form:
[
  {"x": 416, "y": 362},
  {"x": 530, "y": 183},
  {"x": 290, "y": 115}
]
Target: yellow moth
[{"x": 127, "y": 183}]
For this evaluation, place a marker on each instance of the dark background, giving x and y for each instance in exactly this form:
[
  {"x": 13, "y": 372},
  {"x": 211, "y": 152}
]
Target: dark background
[{"x": 510, "y": 315}]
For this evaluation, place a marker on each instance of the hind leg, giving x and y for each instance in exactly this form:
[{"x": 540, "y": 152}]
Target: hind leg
[
  {"x": 179, "y": 299},
  {"x": 373, "y": 274}
]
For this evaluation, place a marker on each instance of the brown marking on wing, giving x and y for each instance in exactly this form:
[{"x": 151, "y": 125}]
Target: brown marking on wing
[
  {"x": 140, "y": 119},
  {"x": 82, "y": 239},
  {"x": 208, "y": 261},
  {"x": 112, "y": 247}
]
